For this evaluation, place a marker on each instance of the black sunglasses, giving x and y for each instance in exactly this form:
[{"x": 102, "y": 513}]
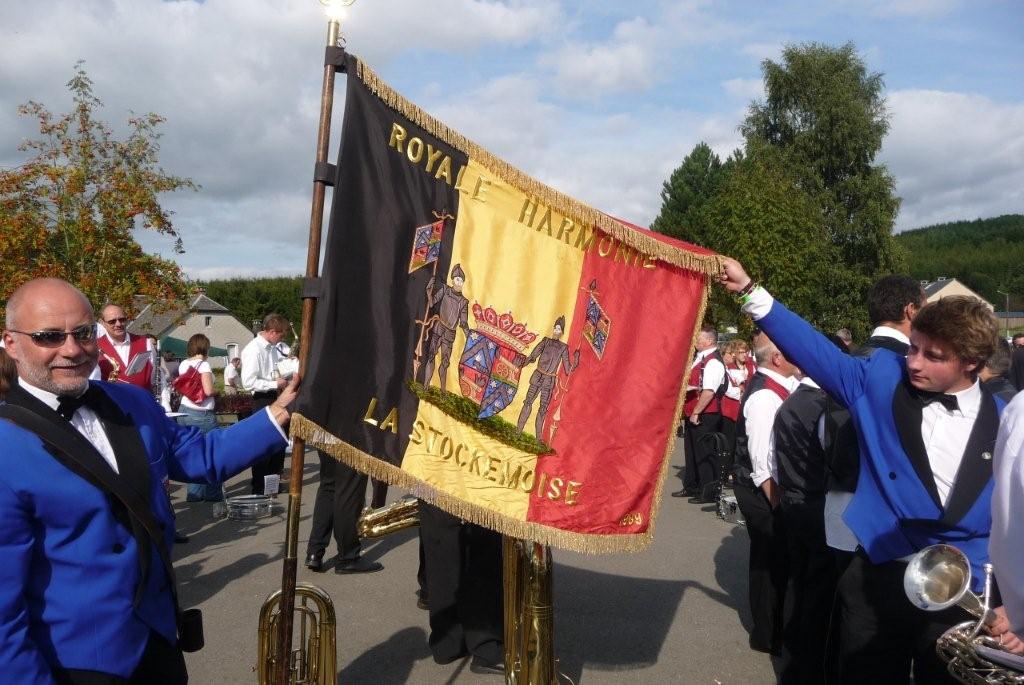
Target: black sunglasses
[
  {"x": 85, "y": 333},
  {"x": 119, "y": 319}
]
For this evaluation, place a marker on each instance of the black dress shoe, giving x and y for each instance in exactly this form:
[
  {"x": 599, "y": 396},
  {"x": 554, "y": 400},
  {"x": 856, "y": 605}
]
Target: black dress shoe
[
  {"x": 180, "y": 538},
  {"x": 481, "y": 667},
  {"x": 315, "y": 562},
  {"x": 686, "y": 492},
  {"x": 359, "y": 565}
]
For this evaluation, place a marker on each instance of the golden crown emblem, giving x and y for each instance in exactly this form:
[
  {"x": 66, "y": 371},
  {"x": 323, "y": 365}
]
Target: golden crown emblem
[{"x": 502, "y": 328}]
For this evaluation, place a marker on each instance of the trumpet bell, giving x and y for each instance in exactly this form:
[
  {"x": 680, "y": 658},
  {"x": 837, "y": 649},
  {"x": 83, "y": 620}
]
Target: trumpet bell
[{"x": 937, "y": 578}]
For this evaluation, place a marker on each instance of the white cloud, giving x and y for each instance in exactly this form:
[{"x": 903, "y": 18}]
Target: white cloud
[
  {"x": 954, "y": 156},
  {"x": 763, "y": 51},
  {"x": 624, "y": 64},
  {"x": 744, "y": 88}
]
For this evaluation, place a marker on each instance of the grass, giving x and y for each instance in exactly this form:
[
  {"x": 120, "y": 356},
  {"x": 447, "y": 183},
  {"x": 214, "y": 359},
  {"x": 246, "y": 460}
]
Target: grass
[{"x": 465, "y": 410}]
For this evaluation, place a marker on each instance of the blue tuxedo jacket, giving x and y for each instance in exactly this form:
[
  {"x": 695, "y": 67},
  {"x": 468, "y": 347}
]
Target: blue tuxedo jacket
[
  {"x": 896, "y": 509},
  {"x": 70, "y": 565}
]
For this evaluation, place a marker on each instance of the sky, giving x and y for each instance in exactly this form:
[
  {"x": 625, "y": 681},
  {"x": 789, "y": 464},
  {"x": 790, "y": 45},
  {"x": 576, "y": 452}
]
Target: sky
[{"x": 601, "y": 100}]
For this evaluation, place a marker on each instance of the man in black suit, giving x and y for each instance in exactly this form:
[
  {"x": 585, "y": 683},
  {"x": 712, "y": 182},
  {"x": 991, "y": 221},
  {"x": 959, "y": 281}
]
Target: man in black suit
[{"x": 1017, "y": 363}]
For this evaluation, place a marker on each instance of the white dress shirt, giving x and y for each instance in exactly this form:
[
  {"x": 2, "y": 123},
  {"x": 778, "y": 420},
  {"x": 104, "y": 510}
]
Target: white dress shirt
[
  {"x": 259, "y": 365},
  {"x": 1008, "y": 512},
  {"x": 84, "y": 420},
  {"x": 945, "y": 434},
  {"x": 714, "y": 371},
  {"x": 759, "y": 415},
  {"x": 737, "y": 377}
]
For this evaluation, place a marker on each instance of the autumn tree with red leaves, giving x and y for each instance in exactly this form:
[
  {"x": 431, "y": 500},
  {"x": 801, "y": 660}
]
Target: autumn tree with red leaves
[{"x": 69, "y": 211}]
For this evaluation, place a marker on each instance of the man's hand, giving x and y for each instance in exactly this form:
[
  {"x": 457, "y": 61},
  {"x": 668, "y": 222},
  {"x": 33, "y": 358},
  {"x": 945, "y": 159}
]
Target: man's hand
[
  {"x": 694, "y": 419},
  {"x": 279, "y": 409},
  {"x": 999, "y": 628},
  {"x": 772, "y": 491},
  {"x": 733, "y": 276},
  {"x": 281, "y": 383}
]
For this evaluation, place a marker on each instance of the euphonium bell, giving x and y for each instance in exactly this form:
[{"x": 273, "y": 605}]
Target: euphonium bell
[{"x": 938, "y": 577}]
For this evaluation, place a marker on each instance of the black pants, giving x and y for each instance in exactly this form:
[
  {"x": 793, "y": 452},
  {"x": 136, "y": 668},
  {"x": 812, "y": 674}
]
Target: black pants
[
  {"x": 701, "y": 459},
  {"x": 768, "y": 567},
  {"x": 274, "y": 464},
  {"x": 812, "y": 588},
  {"x": 339, "y": 501},
  {"x": 883, "y": 635},
  {"x": 725, "y": 463},
  {"x": 161, "y": 664},
  {"x": 463, "y": 568}
]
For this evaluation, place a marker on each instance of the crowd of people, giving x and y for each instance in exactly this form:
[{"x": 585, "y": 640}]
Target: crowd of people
[
  {"x": 845, "y": 461},
  {"x": 848, "y": 459}
]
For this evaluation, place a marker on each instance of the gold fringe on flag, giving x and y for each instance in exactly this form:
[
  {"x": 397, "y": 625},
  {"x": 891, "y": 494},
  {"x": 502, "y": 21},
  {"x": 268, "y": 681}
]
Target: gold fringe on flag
[
  {"x": 588, "y": 543},
  {"x": 580, "y": 213}
]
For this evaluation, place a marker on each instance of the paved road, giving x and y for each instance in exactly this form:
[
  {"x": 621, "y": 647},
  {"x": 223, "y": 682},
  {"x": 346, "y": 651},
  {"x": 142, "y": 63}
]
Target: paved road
[{"x": 672, "y": 614}]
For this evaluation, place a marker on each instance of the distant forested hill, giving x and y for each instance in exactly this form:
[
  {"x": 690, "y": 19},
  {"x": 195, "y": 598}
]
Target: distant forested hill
[{"x": 987, "y": 255}]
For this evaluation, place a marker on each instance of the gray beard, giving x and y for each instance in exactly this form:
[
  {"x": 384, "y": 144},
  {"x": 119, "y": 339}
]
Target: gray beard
[{"x": 44, "y": 381}]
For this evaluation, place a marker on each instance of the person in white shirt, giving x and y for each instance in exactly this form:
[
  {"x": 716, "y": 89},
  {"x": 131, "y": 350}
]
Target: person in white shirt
[
  {"x": 1007, "y": 514},
  {"x": 757, "y": 493},
  {"x": 119, "y": 348},
  {"x": 703, "y": 416},
  {"x": 200, "y": 413},
  {"x": 232, "y": 379},
  {"x": 260, "y": 377}
]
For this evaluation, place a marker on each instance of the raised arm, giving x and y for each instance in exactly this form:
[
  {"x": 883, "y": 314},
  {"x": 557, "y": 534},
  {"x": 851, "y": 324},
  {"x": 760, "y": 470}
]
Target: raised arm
[{"x": 839, "y": 374}]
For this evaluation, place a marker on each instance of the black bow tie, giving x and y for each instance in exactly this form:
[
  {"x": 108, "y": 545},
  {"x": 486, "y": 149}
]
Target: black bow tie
[
  {"x": 69, "y": 405},
  {"x": 947, "y": 401}
]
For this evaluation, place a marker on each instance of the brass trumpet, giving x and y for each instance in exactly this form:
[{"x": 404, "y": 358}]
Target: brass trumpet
[
  {"x": 314, "y": 661},
  {"x": 939, "y": 577}
]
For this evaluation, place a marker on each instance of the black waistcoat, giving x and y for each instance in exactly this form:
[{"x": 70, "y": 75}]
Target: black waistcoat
[{"x": 799, "y": 456}]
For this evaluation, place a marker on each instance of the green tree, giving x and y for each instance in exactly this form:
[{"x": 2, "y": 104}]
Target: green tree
[
  {"x": 686, "y": 191},
  {"x": 822, "y": 241},
  {"x": 69, "y": 211},
  {"x": 825, "y": 112},
  {"x": 250, "y": 299}
]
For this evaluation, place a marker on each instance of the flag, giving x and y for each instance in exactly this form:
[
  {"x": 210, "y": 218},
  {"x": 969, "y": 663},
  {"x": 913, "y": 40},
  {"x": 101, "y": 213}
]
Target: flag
[{"x": 490, "y": 384}]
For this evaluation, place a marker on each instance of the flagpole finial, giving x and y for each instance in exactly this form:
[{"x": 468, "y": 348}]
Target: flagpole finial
[{"x": 336, "y": 11}]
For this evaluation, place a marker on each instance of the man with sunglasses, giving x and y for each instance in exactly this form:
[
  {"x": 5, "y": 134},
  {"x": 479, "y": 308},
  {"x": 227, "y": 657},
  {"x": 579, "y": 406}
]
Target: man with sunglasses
[
  {"x": 118, "y": 348},
  {"x": 87, "y": 590}
]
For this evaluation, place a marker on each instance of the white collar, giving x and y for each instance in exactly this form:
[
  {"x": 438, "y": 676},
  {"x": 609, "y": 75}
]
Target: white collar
[
  {"x": 888, "y": 332},
  {"x": 969, "y": 399},
  {"x": 788, "y": 382},
  {"x": 44, "y": 396},
  {"x": 808, "y": 381},
  {"x": 704, "y": 353}
]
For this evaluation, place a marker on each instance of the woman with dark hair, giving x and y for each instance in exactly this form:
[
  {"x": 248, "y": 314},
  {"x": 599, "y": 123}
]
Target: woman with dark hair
[{"x": 200, "y": 414}]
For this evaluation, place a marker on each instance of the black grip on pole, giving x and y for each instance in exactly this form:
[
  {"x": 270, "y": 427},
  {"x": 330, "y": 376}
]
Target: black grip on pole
[
  {"x": 325, "y": 172},
  {"x": 334, "y": 57},
  {"x": 311, "y": 288}
]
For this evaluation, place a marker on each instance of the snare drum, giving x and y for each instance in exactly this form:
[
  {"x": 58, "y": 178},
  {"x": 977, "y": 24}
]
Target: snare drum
[{"x": 249, "y": 507}]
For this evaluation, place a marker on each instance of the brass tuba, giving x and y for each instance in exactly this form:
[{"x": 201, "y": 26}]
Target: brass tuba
[
  {"x": 314, "y": 661},
  {"x": 939, "y": 577}
]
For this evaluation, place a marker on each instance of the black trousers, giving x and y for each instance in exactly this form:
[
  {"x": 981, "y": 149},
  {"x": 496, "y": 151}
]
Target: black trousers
[
  {"x": 768, "y": 571},
  {"x": 701, "y": 459},
  {"x": 812, "y": 588},
  {"x": 274, "y": 464},
  {"x": 728, "y": 429},
  {"x": 161, "y": 664},
  {"x": 340, "y": 499},
  {"x": 463, "y": 569},
  {"x": 882, "y": 635}
]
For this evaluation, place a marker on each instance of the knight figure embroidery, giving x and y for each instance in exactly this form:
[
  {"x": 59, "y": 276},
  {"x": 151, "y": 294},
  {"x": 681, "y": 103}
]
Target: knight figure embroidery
[
  {"x": 550, "y": 355},
  {"x": 452, "y": 313}
]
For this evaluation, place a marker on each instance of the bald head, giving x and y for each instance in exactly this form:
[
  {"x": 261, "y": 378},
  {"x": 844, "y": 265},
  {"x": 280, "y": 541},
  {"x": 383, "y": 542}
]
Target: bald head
[{"x": 41, "y": 292}]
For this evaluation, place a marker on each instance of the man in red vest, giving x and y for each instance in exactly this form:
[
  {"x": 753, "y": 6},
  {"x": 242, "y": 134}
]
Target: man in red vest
[
  {"x": 118, "y": 347},
  {"x": 702, "y": 414}
]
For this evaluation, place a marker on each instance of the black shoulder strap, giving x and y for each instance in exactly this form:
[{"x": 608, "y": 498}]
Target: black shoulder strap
[{"x": 65, "y": 452}]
